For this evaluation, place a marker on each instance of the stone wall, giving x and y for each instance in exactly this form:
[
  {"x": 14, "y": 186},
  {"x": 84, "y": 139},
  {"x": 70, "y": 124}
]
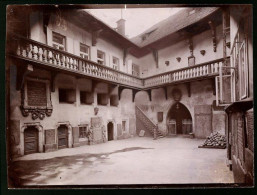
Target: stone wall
[{"x": 75, "y": 114}]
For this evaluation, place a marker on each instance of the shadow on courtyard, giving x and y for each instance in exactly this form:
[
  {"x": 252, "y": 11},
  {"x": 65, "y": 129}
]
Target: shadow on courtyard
[{"x": 23, "y": 172}]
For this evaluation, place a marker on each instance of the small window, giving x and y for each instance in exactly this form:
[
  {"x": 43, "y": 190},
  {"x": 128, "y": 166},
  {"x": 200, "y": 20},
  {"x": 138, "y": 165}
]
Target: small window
[
  {"x": 135, "y": 70},
  {"x": 114, "y": 100},
  {"x": 102, "y": 99},
  {"x": 84, "y": 51},
  {"x": 86, "y": 97},
  {"x": 115, "y": 63},
  {"x": 100, "y": 57},
  {"x": 83, "y": 131},
  {"x": 67, "y": 96},
  {"x": 58, "y": 41}
]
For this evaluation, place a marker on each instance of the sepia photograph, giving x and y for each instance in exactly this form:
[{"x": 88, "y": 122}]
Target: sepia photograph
[{"x": 129, "y": 95}]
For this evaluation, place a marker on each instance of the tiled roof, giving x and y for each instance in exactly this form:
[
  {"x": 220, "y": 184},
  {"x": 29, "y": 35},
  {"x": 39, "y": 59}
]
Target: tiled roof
[{"x": 172, "y": 24}]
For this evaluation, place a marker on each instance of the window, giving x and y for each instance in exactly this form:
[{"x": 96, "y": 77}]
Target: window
[
  {"x": 58, "y": 41},
  {"x": 83, "y": 133},
  {"x": 100, "y": 57},
  {"x": 84, "y": 51},
  {"x": 67, "y": 96},
  {"x": 115, "y": 63},
  {"x": 86, "y": 97},
  {"x": 102, "y": 99},
  {"x": 135, "y": 70},
  {"x": 114, "y": 100}
]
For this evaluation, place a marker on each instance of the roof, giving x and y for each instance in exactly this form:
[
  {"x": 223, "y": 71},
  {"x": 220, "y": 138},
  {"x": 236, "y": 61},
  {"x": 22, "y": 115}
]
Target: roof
[{"x": 172, "y": 24}]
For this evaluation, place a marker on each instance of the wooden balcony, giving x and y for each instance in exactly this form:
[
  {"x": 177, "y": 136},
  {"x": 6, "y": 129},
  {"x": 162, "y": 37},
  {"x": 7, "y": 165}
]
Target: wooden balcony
[
  {"x": 187, "y": 74},
  {"x": 48, "y": 57}
]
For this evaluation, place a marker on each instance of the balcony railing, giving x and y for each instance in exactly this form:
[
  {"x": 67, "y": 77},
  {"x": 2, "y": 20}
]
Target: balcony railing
[
  {"x": 207, "y": 69},
  {"x": 37, "y": 52}
]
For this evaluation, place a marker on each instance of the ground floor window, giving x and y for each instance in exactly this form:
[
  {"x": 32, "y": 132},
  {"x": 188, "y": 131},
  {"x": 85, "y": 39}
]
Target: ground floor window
[{"x": 83, "y": 131}]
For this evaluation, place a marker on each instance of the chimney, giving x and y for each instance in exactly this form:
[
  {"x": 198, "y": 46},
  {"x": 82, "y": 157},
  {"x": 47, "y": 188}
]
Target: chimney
[{"x": 121, "y": 26}]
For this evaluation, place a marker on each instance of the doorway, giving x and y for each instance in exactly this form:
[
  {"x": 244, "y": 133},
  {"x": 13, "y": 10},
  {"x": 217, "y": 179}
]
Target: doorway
[
  {"x": 110, "y": 131},
  {"x": 62, "y": 136},
  {"x": 30, "y": 140},
  {"x": 179, "y": 120}
]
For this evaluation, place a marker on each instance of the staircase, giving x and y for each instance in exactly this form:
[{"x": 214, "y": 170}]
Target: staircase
[{"x": 148, "y": 123}]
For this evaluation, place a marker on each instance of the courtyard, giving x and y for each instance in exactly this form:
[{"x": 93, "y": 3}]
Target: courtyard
[{"x": 138, "y": 160}]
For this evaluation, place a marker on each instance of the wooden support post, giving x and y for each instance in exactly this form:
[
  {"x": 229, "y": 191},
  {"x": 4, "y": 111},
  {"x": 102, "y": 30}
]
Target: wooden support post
[
  {"x": 189, "y": 89},
  {"x": 53, "y": 76},
  {"x": 155, "y": 56},
  {"x": 134, "y": 91},
  {"x": 120, "y": 89},
  {"x": 149, "y": 92},
  {"x": 125, "y": 53},
  {"x": 166, "y": 92},
  {"x": 213, "y": 31},
  {"x": 213, "y": 87},
  {"x": 22, "y": 72},
  {"x": 190, "y": 45}
]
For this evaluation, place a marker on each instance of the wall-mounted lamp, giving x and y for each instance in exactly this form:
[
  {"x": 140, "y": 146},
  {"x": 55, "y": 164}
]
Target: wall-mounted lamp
[
  {"x": 167, "y": 63},
  {"x": 96, "y": 110},
  {"x": 228, "y": 44},
  {"x": 202, "y": 52},
  {"x": 178, "y": 59}
]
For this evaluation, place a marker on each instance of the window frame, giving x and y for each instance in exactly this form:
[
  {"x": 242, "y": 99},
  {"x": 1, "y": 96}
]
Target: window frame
[
  {"x": 135, "y": 72},
  {"x": 116, "y": 66},
  {"x": 58, "y": 44},
  {"x": 101, "y": 59},
  {"x": 84, "y": 55}
]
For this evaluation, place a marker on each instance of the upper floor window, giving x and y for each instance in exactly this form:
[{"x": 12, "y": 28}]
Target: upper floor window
[
  {"x": 115, "y": 63},
  {"x": 84, "y": 51},
  {"x": 58, "y": 41},
  {"x": 135, "y": 70},
  {"x": 100, "y": 57}
]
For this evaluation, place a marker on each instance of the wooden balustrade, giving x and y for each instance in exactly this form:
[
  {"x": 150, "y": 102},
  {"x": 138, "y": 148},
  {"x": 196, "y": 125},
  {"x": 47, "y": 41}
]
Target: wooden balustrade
[
  {"x": 37, "y": 52},
  {"x": 193, "y": 72}
]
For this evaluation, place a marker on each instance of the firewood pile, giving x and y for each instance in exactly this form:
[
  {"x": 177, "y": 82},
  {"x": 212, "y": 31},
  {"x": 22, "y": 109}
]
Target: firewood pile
[{"x": 214, "y": 140}]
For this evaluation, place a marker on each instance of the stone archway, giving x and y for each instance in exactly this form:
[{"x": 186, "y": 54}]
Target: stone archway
[
  {"x": 31, "y": 127},
  {"x": 179, "y": 119},
  {"x": 110, "y": 131}
]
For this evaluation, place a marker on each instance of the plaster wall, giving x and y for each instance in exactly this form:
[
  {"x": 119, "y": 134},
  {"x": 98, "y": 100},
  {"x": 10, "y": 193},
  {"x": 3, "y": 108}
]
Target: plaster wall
[
  {"x": 201, "y": 94},
  {"x": 74, "y": 114},
  {"x": 202, "y": 41}
]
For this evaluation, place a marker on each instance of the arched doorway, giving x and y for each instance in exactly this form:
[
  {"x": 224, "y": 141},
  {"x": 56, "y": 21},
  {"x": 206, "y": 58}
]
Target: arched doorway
[
  {"x": 30, "y": 140},
  {"x": 62, "y": 136},
  {"x": 179, "y": 120},
  {"x": 110, "y": 131}
]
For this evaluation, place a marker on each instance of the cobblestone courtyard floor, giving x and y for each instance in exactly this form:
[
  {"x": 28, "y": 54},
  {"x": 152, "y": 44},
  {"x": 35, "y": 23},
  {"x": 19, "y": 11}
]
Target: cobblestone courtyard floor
[{"x": 137, "y": 160}]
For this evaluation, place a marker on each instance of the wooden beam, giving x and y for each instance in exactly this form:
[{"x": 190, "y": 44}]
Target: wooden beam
[
  {"x": 188, "y": 89},
  {"x": 190, "y": 45},
  {"x": 213, "y": 32},
  {"x": 95, "y": 36}
]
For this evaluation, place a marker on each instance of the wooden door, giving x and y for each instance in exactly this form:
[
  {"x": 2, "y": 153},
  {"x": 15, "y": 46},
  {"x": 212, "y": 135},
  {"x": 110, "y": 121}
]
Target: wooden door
[
  {"x": 62, "y": 136},
  {"x": 30, "y": 140}
]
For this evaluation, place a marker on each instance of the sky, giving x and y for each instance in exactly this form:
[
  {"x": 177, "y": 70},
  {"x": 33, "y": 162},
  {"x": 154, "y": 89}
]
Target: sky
[{"x": 137, "y": 19}]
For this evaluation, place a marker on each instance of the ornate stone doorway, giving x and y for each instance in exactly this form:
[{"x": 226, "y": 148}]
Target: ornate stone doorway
[
  {"x": 30, "y": 140},
  {"x": 110, "y": 131},
  {"x": 179, "y": 120}
]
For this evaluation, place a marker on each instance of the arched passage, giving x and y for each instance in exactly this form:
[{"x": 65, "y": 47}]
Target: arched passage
[
  {"x": 179, "y": 120},
  {"x": 110, "y": 131}
]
